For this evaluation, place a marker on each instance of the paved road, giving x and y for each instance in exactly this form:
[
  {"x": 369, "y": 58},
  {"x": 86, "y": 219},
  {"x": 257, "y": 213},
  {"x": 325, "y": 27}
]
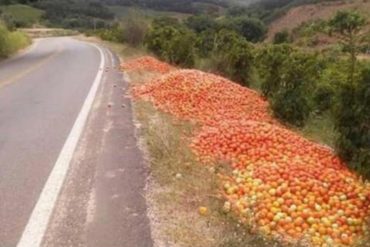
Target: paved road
[{"x": 101, "y": 202}]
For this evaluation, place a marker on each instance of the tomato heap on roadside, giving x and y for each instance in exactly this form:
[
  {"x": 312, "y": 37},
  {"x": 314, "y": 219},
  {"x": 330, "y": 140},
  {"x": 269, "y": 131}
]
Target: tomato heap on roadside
[
  {"x": 147, "y": 63},
  {"x": 286, "y": 185},
  {"x": 282, "y": 184},
  {"x": 202, "y": 97}
]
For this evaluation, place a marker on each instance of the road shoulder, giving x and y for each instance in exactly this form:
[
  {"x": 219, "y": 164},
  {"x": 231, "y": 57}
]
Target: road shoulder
[{"x": 102, "y": 202}]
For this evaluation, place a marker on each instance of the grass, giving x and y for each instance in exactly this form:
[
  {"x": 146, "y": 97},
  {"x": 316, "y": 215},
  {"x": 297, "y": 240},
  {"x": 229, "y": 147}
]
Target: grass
[
  {"x": 11, "y": 42},
  {"x": 23, "y": 14},
  {"x": 48, "y": 32},
  {"x": 122, "y": 12},
  {"x": 320, "y": 129}
]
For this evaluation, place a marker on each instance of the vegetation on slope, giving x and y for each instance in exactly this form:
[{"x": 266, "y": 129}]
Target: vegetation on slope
[
  {"x": 303, "y": 21},
  {"x": 20, "y": 15},
  {"x": 11, "y": 41}
]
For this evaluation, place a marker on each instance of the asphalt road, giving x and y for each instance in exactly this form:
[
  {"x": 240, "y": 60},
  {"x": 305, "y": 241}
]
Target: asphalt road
[{"x": 101, "y": 202}]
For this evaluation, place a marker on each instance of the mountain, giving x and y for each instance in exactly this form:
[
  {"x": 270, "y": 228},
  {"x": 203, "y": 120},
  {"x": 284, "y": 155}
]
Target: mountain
[{"x": 297, "y": 15}]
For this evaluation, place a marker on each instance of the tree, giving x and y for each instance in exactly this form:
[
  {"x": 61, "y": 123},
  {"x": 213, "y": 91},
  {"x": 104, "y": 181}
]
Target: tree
[
  {"x": 352, "y": 110},
  {"x": 180, "y": 49},
  {"x": 160, "y": 33},
  {"x": 281, "y": 37},
  {"x": 352, "y": 117},
  {"x": 233, "y": 56},
  {"x": 205, "y": 42},
  {"x": 171, "y": 41},
  {"x": 200, "y": 23},
  {"x": 134, "y": 31},
  {"x": 271, "y": 61},
  {"x": 292, "y": 102},
  {"x": 252, "y": 29},
  {"x": 348, "y": 24}
]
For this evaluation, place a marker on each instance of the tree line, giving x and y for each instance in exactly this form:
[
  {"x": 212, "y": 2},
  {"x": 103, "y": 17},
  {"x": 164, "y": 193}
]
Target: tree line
[{"x": 73, "y": 14}]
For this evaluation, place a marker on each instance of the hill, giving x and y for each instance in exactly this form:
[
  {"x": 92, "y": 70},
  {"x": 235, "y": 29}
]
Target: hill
[
  {"x": 296, "y": 16},
  {"x": 120, "y": 12},
  {"x": 183, "y": 6},
  {"x": 22, "y": 15}
]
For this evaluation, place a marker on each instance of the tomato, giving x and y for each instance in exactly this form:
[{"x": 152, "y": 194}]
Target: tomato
[
  {"x": 146, "y": 63},
  {"x": 281, "y": 181}
]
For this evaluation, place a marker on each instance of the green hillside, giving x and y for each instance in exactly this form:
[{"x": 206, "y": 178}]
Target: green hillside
[
  {"x": 23, "y": 14},
  {"x": 125, "y": 11}
]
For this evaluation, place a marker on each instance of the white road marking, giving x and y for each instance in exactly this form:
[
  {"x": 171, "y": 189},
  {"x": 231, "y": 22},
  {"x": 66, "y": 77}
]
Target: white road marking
[
  {"x": 37, "y": 224},
  {"x": 111, "y": 57}
]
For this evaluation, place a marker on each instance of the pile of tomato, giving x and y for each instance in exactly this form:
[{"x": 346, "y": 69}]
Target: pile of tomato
[
  {"x": 282, "y": 184},
  {"x": 287, "y": 186},
  {"x": 147, "y": 63},
  {"x": 206, "y": 98}
]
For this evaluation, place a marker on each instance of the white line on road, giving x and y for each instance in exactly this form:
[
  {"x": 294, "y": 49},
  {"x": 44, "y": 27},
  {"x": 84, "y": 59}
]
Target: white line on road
[
  {"x": 37, "y": 224},
  {"x": 111, "y": 57}
]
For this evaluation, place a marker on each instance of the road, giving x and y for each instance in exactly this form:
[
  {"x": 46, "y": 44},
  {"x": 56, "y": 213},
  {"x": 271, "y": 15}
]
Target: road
[{"x": 71, "y": 173}]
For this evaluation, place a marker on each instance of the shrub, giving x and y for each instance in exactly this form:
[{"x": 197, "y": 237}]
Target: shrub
[
  {"x": 281, "y": 37},
  {"x": 114, "y": 33},
  {"x": 352, "y": 118},
  {"x": 205, "y": 42},
  {"x": 134, "y": 31},
  {"x": 240, "y": 62},
  {"x": 271, "y": 60},
  {"x": 348, "y": 24},
  {"x": 252, "y": 29},
  {"x": 332, "y": 76},
  {"x": 323, "y": 97},
  {"x": 160, "y": 33},
  {"x": 200, "y": 23},
  {"x": 10, "y": 42},
  {"x": 233, "y": 56},
  {"x": 180, "y": 49},
  {"x": 172, "y": 42},
  {"x": 292, "y": 102},
  {"x": 4, "y": 42},
  {"x": 291, "y": 106}
]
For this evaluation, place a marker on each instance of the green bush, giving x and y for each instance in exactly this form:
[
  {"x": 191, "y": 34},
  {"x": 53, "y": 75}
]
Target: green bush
[
  {"x": 233, "y": 56},
  {"x": 4, "y": 43},
  {"x": 10, "y": 42},
  {"x": 205, "y": 43},
  {"x": 323, "y": 97},
  {"x": 292, "y": 102},
  {"x": 352, "y": 118},
  {"x": 271, "y": 61},
  {"x": 252, "y": 29},
  {"x": 181, "y": 49},
  {"x": 200, "y": 23},
  {"x": 291, "y": 106},
  {"x": 114, "y": 33},
  {"x": 172, "y": 42},
  {"x": 282, "y": 37},
  {"x": 331, "y": 77},
  {"x": 134, "y": 31},
  {"x": 159, "y": 35}
]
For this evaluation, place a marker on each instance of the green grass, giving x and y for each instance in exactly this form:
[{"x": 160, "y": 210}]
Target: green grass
[
  {"x": 23, "y": 14},
  {"x": 11, "y": 42},
  {"x": 123, "y": 12},
  {"x": 320, "y": 129}
]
